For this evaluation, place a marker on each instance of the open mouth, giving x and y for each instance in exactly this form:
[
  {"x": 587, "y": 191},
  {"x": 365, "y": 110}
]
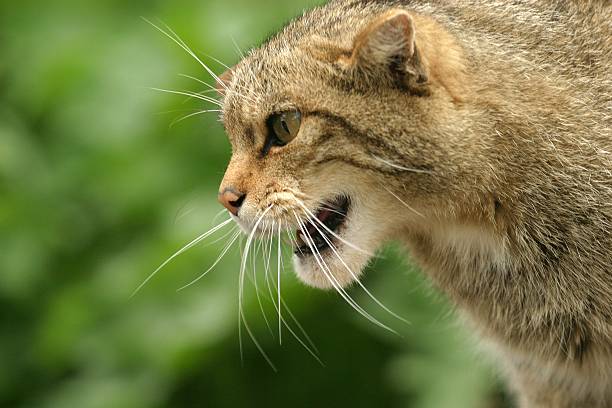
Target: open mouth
[{"x": 331, "y": 216}]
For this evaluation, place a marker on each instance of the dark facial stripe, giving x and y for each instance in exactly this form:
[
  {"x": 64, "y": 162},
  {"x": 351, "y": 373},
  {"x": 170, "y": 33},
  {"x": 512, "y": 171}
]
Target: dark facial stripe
[
  {"x": 354, "y": 163},
  {"x": 370, "y": 140},
  {"x": 374, "y": 144}
]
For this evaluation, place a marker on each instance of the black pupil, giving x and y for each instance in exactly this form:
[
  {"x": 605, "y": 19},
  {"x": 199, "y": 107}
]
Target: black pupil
[{"x": 284, "y": 124}]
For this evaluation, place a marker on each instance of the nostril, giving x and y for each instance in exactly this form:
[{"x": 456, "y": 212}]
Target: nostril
[
  {"x": 237, "y": 203},
  {"x": 232, "y": 200}
]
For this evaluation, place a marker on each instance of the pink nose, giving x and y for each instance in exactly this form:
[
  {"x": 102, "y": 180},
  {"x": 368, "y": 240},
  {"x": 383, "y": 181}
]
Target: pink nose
[{"x": 232, "y": 200}]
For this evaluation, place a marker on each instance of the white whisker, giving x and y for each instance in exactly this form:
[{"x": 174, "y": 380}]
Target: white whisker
[
  {"x": 354, "y": 276},
  {"x": 240, "y": 53},
  {"x": 182, "y": 118},
  {"x": 312, "y": 351},
  {"x": 177, "y": 39},
  {"x": 203, "y": 93},
  {"x": 217, "y": 79},
  {"x": 311, "y": 215},
  {"x": 398, "y": 167},
  {"x": 221, "y": 255},
  {"x": 217, "y": 61},
  {"x": 259, "y": 245},
  {"x": 403, "y": 202},
  {"x": 332, "y": 279},
  {"x": 278, "y": 287},
  {"x": 180, "y": 251},
  {"x": 190, "y": 94},
  {"x": 206, "y": 91},
  {"x": 217, "y": 215},
  {"x": 268, "y": 253},
  {"x": 291, "y": 315},
  {"x": 221, "y": 238},
  {"x": 241, "y": 292},
  {"x": 213, "y": 89},
  {"x": 267, "y": 270},
  {"x": 278, "y": 305}
]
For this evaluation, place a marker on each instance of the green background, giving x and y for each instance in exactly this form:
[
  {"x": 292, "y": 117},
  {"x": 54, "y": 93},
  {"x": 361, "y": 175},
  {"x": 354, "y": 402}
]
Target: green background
[{"x": 97, "y": 189}]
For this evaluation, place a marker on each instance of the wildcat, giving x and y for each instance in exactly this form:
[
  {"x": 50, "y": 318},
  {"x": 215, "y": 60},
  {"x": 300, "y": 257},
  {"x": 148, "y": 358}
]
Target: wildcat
[{"x": 475, "y": 132}]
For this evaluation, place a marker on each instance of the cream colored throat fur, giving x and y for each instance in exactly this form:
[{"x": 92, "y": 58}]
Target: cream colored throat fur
[{"x": 476, "y": 132}]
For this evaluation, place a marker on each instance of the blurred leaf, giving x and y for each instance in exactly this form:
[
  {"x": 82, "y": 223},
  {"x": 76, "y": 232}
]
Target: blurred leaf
[{"x": 97, "y": 189}]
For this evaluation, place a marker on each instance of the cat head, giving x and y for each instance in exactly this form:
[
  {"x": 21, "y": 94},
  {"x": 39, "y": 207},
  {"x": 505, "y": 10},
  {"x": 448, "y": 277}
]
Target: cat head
[{"x": 335, "y": 132}]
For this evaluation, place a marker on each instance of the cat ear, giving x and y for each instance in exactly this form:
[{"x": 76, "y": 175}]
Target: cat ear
[
  {"x": 387, "y": 47},
  {"x": 224, "y": 80}
]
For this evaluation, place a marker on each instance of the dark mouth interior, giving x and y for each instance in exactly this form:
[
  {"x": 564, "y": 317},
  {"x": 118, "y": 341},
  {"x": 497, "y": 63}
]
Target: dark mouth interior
[{"x": 333, "y": 215}]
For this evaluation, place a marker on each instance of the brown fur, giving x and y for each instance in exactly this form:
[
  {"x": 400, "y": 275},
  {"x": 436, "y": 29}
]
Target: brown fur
[{"x": 504, "y": 108}]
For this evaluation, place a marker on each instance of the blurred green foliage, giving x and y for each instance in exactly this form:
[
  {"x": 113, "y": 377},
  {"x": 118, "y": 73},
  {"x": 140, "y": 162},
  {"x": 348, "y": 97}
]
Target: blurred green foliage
[{"x": 97, "y": 189}]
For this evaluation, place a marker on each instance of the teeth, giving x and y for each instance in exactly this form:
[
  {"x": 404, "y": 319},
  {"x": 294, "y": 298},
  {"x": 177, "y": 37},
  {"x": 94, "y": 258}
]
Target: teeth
[
  {"x": 332, "y": 219},
  {"x": 315, "y": 239},
  {"x": 301, "y": 238}
]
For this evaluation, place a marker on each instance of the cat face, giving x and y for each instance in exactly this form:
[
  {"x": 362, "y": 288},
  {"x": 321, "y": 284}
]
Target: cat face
[{"x": 316, "y": 125}]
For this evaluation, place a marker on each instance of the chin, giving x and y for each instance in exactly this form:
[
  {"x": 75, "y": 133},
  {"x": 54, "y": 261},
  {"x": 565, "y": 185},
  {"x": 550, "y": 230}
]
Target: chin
[{"x": 336, "y": 260}]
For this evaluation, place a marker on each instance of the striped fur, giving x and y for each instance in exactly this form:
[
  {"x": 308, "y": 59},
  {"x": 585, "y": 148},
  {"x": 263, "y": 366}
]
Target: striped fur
[{"x": 504, "y": 107}]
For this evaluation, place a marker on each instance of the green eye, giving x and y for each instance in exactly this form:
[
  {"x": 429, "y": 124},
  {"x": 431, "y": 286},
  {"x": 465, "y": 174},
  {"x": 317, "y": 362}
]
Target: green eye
[{"x": 284, "y": 127}]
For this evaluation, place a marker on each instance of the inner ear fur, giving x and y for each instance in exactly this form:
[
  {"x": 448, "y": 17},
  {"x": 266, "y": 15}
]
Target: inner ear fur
[{"x": 387, "y": 48}]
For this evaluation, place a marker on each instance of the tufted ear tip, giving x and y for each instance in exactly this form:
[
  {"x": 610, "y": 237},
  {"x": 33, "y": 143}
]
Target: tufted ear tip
[
  {"x": 223, "y": 82},
  {"x": 388, "y": 37},
  {"x": 401, "y": 24},
  {"x": 386, "y": 48}
]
